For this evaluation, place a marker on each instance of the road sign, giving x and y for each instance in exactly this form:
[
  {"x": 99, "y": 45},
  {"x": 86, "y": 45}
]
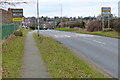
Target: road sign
[
  {"x": 17, "y": 14},
  {"x": 17, "y": 19},
  {"x": 106, "y": 11}
]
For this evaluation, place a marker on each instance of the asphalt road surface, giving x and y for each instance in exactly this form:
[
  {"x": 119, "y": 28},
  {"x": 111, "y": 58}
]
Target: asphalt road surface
[{"x": 101, "y": 51}]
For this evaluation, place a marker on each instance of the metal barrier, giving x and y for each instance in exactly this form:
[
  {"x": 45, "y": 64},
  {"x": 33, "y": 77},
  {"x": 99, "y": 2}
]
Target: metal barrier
[{"x": 8, "y": 29}]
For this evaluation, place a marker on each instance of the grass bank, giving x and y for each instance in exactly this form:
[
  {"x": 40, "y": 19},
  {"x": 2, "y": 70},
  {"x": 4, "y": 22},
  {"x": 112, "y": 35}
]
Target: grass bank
[
  {"x": 12, "y": 54},
  {"x": 62, "y": 62},
  {"x": 112, "y": 34}
]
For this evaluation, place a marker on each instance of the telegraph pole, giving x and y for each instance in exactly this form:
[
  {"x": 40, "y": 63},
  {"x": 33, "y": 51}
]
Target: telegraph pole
[{"x": 38, "y": 16}]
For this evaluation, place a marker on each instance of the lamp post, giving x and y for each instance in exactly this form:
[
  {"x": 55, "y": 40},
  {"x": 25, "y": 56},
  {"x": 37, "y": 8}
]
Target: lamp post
[
  {"x": 38, "y": 16},
  {"x": 61, "y": 15}
]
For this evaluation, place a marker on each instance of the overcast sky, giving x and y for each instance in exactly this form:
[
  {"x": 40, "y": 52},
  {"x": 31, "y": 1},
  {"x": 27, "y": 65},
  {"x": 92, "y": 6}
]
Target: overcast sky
[{"x": 70, "y": 8}]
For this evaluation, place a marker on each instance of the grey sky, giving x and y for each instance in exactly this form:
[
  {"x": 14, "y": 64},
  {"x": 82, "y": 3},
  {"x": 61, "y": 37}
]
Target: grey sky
[{"x": 72, "y": 8}]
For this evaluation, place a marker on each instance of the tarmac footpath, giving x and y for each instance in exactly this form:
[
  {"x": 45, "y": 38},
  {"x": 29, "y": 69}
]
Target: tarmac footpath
[{"x": 33, "y": 65}]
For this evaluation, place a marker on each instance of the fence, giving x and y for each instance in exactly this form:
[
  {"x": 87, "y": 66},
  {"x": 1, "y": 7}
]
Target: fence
[{"x": 8, "y": 29}]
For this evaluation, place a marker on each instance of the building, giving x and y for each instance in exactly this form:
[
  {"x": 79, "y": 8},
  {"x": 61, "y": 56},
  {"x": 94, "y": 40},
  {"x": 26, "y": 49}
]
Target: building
[
  {"x": 5, "y": 16},
  {"x": 119, "y": 9}
]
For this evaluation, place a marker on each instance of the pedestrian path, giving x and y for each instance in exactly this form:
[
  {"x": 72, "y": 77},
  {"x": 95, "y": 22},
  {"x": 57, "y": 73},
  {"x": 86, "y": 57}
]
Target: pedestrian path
[{"x": 33, "y": 65}]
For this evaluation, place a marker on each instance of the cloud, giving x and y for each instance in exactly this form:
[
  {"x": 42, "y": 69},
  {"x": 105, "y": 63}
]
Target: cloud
[{"x": 70, "y": 7}]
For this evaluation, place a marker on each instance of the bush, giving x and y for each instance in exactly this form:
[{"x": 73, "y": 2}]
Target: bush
[
  {"x": 18, "y": 33},
  {"x": 94, "y": 26},
  {"x": 116, "y": 24},
  {"x": 72, "y": 24}
]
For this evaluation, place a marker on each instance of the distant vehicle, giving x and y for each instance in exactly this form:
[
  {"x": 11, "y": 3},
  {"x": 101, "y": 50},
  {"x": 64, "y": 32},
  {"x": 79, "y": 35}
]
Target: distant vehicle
[
  {"x": 47, "y": 26},
  {"x": 27, "y": 27}
]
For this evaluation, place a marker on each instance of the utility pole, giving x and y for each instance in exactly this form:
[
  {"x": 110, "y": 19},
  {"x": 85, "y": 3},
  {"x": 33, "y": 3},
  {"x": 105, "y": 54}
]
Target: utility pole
[
  {"x": 38, "y": 16},
  {"x": 61, "y": 15}
]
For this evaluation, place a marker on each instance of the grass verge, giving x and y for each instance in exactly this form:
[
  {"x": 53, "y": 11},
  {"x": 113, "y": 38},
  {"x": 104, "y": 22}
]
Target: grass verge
[
  {"x": 62, "y": 63},
  {"x": 112, "y": 34},
  {"x": 12, "y": 54}
]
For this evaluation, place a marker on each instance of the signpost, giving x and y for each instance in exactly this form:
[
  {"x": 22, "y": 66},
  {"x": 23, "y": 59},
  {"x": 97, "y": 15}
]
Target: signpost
[
  {"x": 106, "y": 12},
  {"x": 17, "y": 15},
  {"x": 17, "y": 19}
]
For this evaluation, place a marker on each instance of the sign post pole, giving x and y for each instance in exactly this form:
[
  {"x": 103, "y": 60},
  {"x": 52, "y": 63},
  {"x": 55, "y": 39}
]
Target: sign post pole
[
  {"x": 103, "y": 24},
  {"x": 14, "y": 25},
  {"x": 108, "y": 22},
  {"x": 106, "y": 12}
]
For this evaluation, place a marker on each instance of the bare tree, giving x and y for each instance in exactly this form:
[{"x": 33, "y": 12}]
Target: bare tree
[{"x": 6, "y": 3}]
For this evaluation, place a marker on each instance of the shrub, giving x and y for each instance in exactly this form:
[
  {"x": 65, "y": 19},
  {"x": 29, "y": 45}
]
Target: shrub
[
  {"x": 76, "y": 23},
  {"x": 18, "y": 33},
  {"x": 116, "y": 24},
  {"x": 94, "y": 26}
]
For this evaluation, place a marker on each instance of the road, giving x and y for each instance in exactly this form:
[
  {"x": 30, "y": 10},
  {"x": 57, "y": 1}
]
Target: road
[{"x": 100, "y": 51}]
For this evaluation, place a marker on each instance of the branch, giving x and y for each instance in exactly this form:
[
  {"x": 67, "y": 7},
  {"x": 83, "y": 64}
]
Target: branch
[{"x": 7, "y": 3}]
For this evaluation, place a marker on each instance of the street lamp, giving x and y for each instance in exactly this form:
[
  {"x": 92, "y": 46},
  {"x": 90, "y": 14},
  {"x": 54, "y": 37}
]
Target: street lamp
[
  {"x": 61, "y": 15},
  {"x": 38, "y": 16}
]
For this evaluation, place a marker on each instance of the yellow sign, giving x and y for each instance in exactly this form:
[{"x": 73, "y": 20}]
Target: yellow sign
[
  {"x": 17, "y": 19},
  {"x": 105, "y": 11}
]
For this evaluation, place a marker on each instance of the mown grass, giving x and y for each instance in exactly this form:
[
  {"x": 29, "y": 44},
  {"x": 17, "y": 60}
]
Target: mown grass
[
  {"x": 12, "y": 54},
  {"x": 112, "y": 34},
  {"x": 107, "y": 34},
  {"x": 62, "y": 62},
  {"x": 65, "y": 29}
]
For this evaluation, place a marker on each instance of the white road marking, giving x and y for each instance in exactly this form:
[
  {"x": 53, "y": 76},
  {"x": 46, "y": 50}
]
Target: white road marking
[
  {"x": 68, "y": 36},
  {"x": 62, "y": 36},
  {"x": 86, "y": 35},
  {"x": 55, "y": 35},
  {"x": 96, "y": 41},
  {"x": 99, "y": 42}
]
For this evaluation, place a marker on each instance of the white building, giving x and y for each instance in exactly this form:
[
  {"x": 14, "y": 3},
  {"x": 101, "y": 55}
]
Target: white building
[{"x": 119, "y": 9}]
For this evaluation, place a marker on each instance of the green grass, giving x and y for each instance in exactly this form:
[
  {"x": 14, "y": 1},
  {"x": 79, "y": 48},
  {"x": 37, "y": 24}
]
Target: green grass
[
  {"x": 62, "y": 62},
  {"x": 13, "y": 49},
  {"x": 64, "y": 29},
  {"x": 107, "y": 34},
  {"x": 112, "y": 34}
]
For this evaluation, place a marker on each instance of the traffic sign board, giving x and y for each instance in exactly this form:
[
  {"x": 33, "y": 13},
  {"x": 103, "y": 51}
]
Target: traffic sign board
[
  {"x": 17, "y": 12},
  {"x": 106, "y": 11},
  {"x": 17, "y": 19}
]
